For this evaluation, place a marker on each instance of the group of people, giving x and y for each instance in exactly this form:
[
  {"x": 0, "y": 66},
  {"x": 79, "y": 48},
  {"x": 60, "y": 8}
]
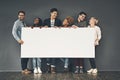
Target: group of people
[{"x": 53, "y": 21}]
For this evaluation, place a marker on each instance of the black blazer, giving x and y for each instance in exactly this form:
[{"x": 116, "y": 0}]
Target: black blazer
[{"x": 47, "y": 22}]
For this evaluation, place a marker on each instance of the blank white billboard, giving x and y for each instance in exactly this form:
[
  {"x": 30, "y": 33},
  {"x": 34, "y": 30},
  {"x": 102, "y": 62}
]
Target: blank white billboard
[{"x": 58, "y": 42}]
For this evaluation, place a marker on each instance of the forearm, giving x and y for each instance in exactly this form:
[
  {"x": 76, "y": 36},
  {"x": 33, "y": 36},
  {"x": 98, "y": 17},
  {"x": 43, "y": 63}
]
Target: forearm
[
  {"x": 15, "y": 36},
  {"x": 14, "y": 32}
]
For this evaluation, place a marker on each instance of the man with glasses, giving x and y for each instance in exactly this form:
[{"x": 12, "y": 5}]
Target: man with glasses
[{"x": 16, "y": 32}]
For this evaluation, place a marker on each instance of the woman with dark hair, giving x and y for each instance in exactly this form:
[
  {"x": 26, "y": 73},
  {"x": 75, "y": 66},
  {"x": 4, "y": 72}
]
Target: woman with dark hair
[
  {"x": 93, "y": 23},
  {"x": 37, "y": 22},
  {"x": 37, "y": 61}
]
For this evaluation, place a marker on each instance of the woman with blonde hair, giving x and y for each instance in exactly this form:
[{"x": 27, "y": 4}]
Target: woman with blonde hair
[{"x": 93, "y": 24}]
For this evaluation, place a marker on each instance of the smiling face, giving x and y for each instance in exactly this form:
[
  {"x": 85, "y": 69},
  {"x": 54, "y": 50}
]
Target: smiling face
[
  {"x": 21, "y": 16},
  {"x": 53, "y": 14},
  {"x": 81, "y": 17},
  {"x": 65, "y": 22},
  {"x": 36, "y": 21},
  {"x": 68, "y": 21},
  {"x": 93, "y": 21}
]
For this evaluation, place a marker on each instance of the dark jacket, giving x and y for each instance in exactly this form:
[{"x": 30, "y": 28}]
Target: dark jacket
[{"x": 47, "y": 22}]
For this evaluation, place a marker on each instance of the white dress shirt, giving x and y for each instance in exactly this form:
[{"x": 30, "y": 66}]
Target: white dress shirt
[{"x": 97, "y": 34}]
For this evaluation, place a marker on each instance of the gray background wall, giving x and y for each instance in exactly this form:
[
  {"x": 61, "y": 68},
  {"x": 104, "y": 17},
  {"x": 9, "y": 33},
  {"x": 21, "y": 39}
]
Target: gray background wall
[{"x": 108, "y": 12}]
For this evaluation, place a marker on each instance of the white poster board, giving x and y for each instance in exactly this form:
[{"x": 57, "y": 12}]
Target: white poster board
[{"x": 58, "y": 42}]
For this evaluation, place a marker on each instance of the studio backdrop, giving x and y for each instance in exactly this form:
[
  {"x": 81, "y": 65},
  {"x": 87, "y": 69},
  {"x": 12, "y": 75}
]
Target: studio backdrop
[{"x": 107, "y": 11}]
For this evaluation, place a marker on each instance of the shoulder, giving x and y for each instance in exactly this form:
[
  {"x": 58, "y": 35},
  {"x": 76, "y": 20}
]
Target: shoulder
[
  {"x": 17, "y": 22},
  {"x": 58, "y": 20},
  {"x": 88, "y": 26},
  {"x": 97, "y": 27},
  {"x": 85, "y": 23}
]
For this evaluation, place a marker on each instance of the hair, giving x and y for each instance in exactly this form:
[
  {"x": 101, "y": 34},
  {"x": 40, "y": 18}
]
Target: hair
[
  {"x": 70, "y": 20},
  {"x": 96, "y": 20},
  {"x": 21, "y": 12},
  {"x": 40, "y": 21},
  {"x": 53, "y": 9},
  {"x": 82, "y": 13}
]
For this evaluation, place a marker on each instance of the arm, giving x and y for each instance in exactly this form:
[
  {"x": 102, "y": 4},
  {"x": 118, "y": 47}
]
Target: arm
[
  {"x": 98, "y": 33},
  {"x": 15, "y": 35},
  {"x": 74, "y": 26},
  {"x": 14, "y": 31},
  {"x": 98, "y": 36}
]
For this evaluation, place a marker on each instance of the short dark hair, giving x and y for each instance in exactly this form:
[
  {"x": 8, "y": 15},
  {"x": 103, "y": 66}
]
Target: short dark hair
[
  {"x": 53, "y": 9},
  {"x": 21, "y": 12},
  {"x": 82, "y": 13}
]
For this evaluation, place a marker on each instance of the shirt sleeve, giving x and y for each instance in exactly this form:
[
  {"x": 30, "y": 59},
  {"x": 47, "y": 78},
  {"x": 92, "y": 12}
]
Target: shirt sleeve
[
  {"x": 14, "y": 31},
  {"x": 99, "y": 33}
]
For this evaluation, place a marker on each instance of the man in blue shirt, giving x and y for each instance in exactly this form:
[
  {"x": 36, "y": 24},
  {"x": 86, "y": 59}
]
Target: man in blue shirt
[{"x": 16, "y": 32}]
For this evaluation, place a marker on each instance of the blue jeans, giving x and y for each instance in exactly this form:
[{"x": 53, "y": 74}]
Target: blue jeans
[
  {"x": 66, "y": 62},
  {"x": 36, "y": 62}
]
